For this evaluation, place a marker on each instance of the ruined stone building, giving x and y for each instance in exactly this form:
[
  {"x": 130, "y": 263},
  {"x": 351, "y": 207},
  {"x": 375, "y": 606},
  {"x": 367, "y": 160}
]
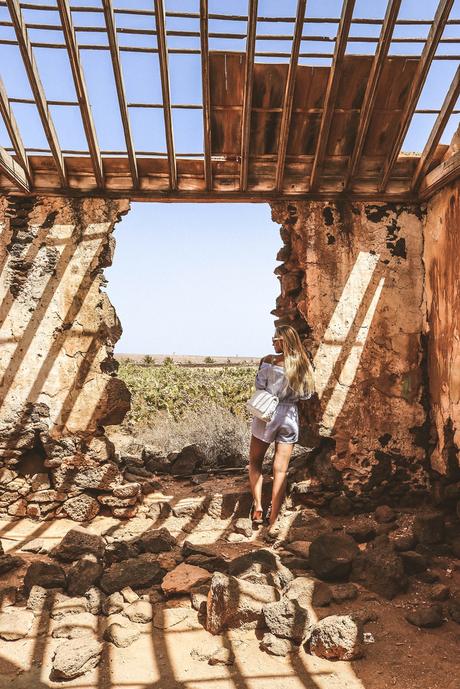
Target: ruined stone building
[{"x": 369, "y": 271}]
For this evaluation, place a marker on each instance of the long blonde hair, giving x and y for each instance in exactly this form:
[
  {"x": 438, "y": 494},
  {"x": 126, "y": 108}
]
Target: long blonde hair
[{"x": 297, "y": 366}]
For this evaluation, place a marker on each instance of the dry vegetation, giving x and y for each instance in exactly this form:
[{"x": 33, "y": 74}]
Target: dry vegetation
[{"x": 173, "y": 406}]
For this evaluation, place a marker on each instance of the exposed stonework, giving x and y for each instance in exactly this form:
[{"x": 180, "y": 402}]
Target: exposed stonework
[
  {"x": 58, "y": 385},
  {"x": 441, "y": 258},
  {"x": 352, "y": 282}
]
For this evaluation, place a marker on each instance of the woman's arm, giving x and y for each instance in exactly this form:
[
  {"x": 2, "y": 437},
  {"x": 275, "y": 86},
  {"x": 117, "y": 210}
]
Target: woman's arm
[{"x": 261, "y": 375}]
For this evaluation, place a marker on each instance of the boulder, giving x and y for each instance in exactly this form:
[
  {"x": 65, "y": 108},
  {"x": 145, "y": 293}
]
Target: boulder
[
  {"x": 78, "y": 542},
  {"x": 426, "y": 616},
  {"x": 73, "y": 660},
  {"x": 429, "y": 527},
  {"x": 40, "y": 599},
  {"x": 118, "y": 551},
  {"x": 344, "y": 592},
  {"x": 251, "y": 566},
  {"x": 155, "y": 541},
  {"x": 187, "y": 460},
  {"x": 332, "y": 555},
  {"x": 362, "y": 529},
  {"x": 380, "y": 570},
  {"x": 139, "y": 611},
  {"x": 413, "y": 562},
  {"x": 113, "y": 604},
  {"x": 340, "y": 505},
  {"x": 81, "y": 508},
  {"x": 65, "y": 606},
  {"x": 15, "y": 624},
  {"x": 83, "y": 574},
  {"x": 9, "y": 562},
  {"x": 140, "y": 571},
  {"x": 337, "y": 637},
  {"x": 183, "y": 578},
  {"x": 276, "y": 646},
  {"x": 234, "y": 603},
  {"x": 46, "y": 574},
  {"x": 86, "y": 474},
  {"x": 74, "y": 626},
  {"x": 243, "y": 526},
  {"x": 287, "y": 619},
  {"x": 309, "y": 592},
  {"x": 122, "y": 635}
]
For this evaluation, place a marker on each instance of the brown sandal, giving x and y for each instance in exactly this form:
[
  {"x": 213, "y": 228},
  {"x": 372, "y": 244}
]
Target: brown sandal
[{"x": 257, "y": 516}]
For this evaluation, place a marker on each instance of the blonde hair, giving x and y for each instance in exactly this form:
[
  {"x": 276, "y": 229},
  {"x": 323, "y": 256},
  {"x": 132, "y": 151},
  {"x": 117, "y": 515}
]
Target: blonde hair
[{"x": 297, "y": 366}]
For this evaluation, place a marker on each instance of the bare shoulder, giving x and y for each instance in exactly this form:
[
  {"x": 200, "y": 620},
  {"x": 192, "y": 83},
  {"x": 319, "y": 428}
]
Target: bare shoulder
[{"x": 267, "y": 359}]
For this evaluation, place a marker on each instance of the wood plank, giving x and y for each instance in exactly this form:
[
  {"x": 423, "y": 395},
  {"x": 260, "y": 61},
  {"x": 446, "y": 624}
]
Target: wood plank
[
  {"x": 448, "y": 171},
  {"x": 370, "y": 95},
  {"x": 12, "y": 128},
  {"x": 206, "y": 93},
  {"x": 331, "y": 91},
  {"x": 247, "y": 98},
  {"x": 434, "y": 36},
  {"x": 437, "y": 131},
  {"x": 164, "y": 73},
  {"x": 36, "y": 85},
  {"x": 15, "y": 173},
  {"x": 119, "y": 83},
  {"x": 80, "y": 89},
  {"x": 289, "y": 94}
]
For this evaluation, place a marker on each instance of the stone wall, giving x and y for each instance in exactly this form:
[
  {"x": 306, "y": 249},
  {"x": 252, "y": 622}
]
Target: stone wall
[
  {"x": 352, "y": 282},
  {"x": 442, "y": 265},
  {"x": 57, "y": 372}
]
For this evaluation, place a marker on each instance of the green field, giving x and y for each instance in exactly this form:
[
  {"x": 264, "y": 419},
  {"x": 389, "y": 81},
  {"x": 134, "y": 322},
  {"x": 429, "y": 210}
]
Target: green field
[{"x": 175, "y": 389}]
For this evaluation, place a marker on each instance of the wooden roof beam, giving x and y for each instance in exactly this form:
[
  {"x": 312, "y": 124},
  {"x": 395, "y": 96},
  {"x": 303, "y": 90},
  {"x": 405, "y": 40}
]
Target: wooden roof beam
[
  {"x": 434, "y": 36},
  {"x": 437, "y": 131},
  {"x": 331, "y": 90},
  {"x": 370, "y": 94},
  {"x": 206, "y": 93},
  {"x": 37, "y": 87},
  {"x": 445, "y": 173},
  {"x": 80, "y": 88},
  {"x": 13, "y": 171},
  {"x": 119, "y": 83},
  {"x": 288, "y": 98},
  {"x": 247, "y": 97},
  {"x": 13, "y": 132},
  {"x": 164, "y": 73}
]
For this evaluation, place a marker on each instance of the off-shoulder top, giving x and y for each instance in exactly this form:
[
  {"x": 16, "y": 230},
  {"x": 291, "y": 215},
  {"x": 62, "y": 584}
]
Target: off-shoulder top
[{"x": 271, "y": 377}]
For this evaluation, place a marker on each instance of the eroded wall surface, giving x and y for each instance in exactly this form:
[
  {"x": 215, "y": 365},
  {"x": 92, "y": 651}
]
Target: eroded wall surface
[
  {"x": 352, "y": 282},
  {"x": 442, "y": 264},
  {"x": 58, "y": 328}
]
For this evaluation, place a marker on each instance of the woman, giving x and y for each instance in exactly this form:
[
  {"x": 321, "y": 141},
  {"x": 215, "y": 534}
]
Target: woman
[{"x": 287, "y": 374}]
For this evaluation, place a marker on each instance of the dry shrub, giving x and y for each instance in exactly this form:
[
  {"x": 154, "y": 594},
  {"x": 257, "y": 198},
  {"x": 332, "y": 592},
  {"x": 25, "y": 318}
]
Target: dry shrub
[{"x": 223, "y": 436}]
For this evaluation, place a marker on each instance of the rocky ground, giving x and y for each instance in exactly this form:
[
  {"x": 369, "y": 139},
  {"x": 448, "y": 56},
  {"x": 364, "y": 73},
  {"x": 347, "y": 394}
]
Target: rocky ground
[{"x": 186, "y": 594}]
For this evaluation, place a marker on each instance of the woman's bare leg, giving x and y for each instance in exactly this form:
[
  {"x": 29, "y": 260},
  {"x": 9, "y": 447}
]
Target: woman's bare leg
[
  {"x": 257, "y": 450},
  {"x": 283, "y": 452}
]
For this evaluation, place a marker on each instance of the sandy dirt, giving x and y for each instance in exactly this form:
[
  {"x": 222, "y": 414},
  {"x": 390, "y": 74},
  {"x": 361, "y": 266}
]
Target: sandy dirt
[{"x": 167, "y": 654}]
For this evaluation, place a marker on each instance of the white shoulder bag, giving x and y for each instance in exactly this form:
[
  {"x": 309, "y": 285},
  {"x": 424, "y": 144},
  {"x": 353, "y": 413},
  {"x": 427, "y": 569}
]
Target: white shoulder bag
[{"x": 262, "y": 404}]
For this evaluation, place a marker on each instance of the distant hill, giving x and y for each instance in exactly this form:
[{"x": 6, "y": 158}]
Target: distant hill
[{"x": 191, "y": 358}]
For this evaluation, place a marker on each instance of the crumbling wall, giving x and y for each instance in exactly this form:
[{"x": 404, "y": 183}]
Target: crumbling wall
[
  {"x": 352, "y": 282},
  {"x": 442, "y": 265},
  {"x": 57, "y": 372}
]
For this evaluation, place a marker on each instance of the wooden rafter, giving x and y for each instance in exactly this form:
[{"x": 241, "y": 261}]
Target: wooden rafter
[
  {"x": 164, "y": 74},
  {"x": 331, "y": 90},
  {"x": 437, "y": 131},
  {"x": 247, "y": 96},
  {"x": 13, "y": 132},
  {"x": 436, "y": 31},
  {"x": 118, "y": 74},
  {"x": 206, "y": 93},
  {"x": 13, "y": 171},
  {"x": 445, "y": 173},
  {"x": 289, "y": 94},
  {"x": 80, "y": 88},
  {"x": 367, "y": 107},
  {"x": 37, "y": 87}
]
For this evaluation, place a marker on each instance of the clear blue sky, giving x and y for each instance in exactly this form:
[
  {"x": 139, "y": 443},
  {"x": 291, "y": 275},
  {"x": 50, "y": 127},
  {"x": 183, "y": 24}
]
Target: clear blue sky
[{"x": 193, "y": 279}]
